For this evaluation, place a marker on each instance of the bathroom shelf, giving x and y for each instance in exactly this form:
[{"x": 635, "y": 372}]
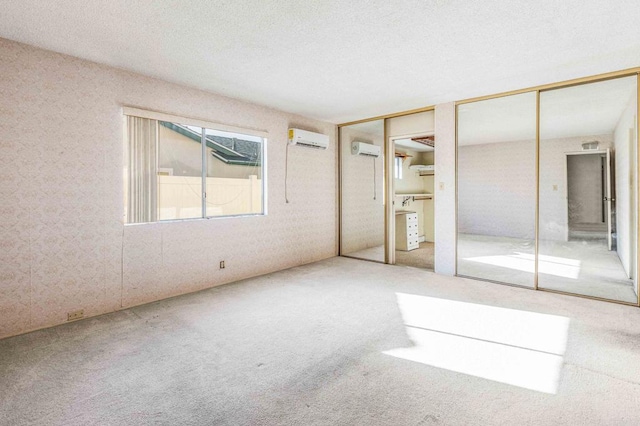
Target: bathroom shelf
[
  {"x": 417, "y": 195},
  {"x": 423, "y": 169}
]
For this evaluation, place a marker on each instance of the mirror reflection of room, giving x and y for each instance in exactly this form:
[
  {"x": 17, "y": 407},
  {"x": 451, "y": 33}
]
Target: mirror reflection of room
[
  {"x": 586, "y": 182},
  {"x": 588, "y": 175},
  {"x": 413, "y": 182},
  {"x": 497, "y": 189},
  {"x": 362, "y": 180}
]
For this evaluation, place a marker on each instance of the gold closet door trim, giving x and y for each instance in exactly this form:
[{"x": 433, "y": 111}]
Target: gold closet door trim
[
  {"x": 637, "y": 283},
  {"x": 392, "y": 115},
  {"x": 536, "y": 229},
  {"x": 560, "y": 84},
  {"x": 538, "y": 90}
]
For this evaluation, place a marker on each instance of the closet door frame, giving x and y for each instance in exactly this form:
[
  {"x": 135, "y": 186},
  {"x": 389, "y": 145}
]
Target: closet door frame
[
  {"x": 389, "y": 214},
  {"x": 538, "y": 90}
]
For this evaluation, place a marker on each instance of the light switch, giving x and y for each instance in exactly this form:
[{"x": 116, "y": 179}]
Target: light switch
[
  {"x": 555, "y": 187},
  {"x": 441, "y": 186}
]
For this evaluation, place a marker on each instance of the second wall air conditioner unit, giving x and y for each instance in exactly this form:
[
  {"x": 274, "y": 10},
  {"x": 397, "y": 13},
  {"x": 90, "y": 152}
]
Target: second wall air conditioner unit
[
  {"x": 308, "y": 139},
  {"x": 361, "y": 148}
]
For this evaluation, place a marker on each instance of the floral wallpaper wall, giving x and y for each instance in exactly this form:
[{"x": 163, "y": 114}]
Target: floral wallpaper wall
[
  {"x": 63, "y": 244},
  {"x": 497, "y": 187}
]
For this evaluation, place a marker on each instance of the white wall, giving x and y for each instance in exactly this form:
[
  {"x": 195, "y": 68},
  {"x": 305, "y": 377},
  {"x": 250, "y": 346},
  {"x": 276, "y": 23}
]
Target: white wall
[
  {"x": 497, "y": 189},
  {"x": 413, "y": 124},
  {"x": 63, "y": 243},
  {"x": 429, "y": 205},
  {"x": 445, "y": 189},
  {"x": 625, "y": 136}
]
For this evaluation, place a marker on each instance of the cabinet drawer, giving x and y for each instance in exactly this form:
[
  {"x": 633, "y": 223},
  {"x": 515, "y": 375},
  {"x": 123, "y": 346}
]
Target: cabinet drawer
[{"x": 412, "y": 217}]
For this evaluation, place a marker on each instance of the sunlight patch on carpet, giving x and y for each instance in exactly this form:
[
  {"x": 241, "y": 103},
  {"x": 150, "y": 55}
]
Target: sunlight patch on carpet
[{"x": 514, "y": 347}]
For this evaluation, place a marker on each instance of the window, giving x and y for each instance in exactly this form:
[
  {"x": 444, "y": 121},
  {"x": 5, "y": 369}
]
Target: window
[
  {"x": 177, "y": 169},
  {"x": 397, "y": 170}
]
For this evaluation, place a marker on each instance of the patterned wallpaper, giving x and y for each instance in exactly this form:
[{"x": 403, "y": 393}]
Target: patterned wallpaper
[
  {"x": 63, "y": 243},
  {"x": 497, "y": 189},
  {"x": 445, "y": 189}
]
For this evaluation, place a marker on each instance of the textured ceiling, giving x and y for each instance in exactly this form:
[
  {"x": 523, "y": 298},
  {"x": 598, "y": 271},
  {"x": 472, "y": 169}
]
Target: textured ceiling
[{"x": 338, "y": 60}]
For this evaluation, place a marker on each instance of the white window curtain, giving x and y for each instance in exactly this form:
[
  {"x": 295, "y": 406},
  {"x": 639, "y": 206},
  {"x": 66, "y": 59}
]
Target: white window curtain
[{"x": 142, "y": 173}]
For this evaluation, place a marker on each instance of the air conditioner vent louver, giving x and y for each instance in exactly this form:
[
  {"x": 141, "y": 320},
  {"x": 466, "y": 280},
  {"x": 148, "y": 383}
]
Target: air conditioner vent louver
[
  {"x": 308, "y": 139},
  {"x": 362, "y": 148}
]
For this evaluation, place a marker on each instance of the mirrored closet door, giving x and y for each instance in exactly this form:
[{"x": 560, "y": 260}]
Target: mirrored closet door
[
  {"x": 496, "y": 178},
  {"x": 588, "y": 189},
  {"x": 362, "y": 191}
]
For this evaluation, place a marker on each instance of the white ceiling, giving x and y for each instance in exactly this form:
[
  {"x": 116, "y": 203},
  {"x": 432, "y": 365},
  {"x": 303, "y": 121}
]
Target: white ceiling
[
  {"x": 584, "y": 110},
  {"x": 510, "y": 118},
  {"x": 337, "y": 60},
  {"x": 374, "y": 128}
]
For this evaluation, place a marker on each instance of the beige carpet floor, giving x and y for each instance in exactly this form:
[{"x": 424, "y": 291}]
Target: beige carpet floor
[
  {"x": 582, "y": 267},
  {"x": 337, "y": 342},
  {"x": 421, "y": 257},
  {"x": 372, "y": 253}
]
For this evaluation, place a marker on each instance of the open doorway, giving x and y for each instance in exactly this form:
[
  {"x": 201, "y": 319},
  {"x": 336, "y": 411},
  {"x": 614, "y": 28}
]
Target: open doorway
[
  {"x": 589, "y": 198},
  {"x": 414, "y": 205},
  {"x": 411, "y": 221}
]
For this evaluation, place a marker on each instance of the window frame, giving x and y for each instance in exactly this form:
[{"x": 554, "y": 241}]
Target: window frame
[{"x": 204, "y": 124}]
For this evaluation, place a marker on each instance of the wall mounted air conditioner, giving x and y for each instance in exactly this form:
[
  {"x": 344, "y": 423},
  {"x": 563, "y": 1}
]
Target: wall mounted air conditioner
[
  {"x": 361, "y": 148},
  {"x": 308, "y": 139}
]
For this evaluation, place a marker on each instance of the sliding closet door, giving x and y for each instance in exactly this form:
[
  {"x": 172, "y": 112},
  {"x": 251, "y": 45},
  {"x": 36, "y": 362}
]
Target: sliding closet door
[
  {"x": 362, "y": 192},
  {"x": 497, "y": 189},
  {"x": 588, "y": 193}
]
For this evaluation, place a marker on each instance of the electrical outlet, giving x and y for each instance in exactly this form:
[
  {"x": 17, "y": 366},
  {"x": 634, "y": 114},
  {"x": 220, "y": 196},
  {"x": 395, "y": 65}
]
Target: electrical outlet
[
  {"x": 222, "y": 264},
  {"x": 75, "y": 315}
]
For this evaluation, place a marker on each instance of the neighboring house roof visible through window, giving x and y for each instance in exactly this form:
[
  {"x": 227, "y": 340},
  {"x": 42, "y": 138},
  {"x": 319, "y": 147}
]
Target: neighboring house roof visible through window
[{"x": 228, "y": 150}]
